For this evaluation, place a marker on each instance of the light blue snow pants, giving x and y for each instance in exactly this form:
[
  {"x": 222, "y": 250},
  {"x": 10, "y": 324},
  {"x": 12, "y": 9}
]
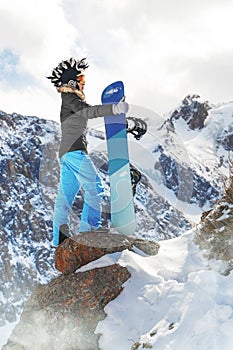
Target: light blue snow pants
[{"x": 78, "y": 171}]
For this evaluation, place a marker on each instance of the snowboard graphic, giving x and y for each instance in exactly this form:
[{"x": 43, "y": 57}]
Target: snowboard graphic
[{"x": 121, "y": 194}]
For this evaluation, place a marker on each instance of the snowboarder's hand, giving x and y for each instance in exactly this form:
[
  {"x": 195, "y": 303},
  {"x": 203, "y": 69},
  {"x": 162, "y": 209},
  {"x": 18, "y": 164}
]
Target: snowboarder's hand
[{"x": 119, "y": 108}]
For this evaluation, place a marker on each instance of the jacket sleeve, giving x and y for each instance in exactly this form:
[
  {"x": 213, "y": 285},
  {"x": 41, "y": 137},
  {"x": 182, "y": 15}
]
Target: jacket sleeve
[{"x": 87, "y": 111}]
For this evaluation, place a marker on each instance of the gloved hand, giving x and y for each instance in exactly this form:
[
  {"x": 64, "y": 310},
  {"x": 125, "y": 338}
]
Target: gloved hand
[{"x": 119, "y": 108}]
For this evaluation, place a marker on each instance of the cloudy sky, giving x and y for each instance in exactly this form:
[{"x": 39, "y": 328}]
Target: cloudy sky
[{"x": 161, "y": 49}]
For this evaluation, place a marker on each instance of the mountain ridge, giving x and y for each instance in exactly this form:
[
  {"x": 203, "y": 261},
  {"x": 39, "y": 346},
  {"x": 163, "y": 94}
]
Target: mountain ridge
[{"x": 29, "y": 177}]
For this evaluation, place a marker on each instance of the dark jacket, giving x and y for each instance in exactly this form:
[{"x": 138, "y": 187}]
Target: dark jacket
[{"x": 74, "y": 115}]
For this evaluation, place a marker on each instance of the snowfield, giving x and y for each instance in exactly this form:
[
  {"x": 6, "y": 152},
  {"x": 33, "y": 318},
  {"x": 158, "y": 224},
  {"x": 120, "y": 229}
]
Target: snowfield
[{"x": 173, "y": 301}]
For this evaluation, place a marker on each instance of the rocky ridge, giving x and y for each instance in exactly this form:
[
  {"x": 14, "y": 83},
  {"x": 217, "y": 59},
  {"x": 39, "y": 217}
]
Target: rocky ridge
[
  {"x": 65, "y": 312},
  {"x": 215, "y": 233}
]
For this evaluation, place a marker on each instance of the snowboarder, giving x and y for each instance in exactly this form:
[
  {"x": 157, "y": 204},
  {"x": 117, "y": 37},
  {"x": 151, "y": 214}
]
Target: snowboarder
[{"x": 77, "y": 170}]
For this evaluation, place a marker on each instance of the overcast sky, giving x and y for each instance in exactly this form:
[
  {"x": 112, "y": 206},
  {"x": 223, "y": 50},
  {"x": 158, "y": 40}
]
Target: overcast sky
[{"x": 161, "y": 49}]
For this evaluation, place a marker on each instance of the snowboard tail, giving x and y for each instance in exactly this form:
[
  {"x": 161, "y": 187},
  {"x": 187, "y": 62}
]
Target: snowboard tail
[{"x": 121, "y": 194}]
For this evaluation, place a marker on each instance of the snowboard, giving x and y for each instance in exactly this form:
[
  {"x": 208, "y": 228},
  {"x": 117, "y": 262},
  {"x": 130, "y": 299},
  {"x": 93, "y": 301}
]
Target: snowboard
[{"x": 121, "y": 194}]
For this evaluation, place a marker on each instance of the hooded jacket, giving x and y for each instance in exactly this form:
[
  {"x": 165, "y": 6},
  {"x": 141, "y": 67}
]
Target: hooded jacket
[{"x": 74, "y": 115}]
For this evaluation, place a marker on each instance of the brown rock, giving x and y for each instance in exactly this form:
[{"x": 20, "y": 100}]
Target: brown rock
[
  {"x": 86, "y": 247},
  {"x": 148, "y": 247},
  {"x": 89, "y": 246},
  {"x": 64, "y": 313}
]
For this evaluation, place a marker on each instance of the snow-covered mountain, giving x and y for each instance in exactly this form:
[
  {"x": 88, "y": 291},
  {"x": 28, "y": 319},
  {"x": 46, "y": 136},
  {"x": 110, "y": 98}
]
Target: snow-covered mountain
[
  {"x": 25, "y": 208},
  {"x": 183, "y": 161}
]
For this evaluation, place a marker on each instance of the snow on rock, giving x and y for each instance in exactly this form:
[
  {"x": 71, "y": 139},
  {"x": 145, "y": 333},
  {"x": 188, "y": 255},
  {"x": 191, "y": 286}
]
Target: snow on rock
[{"x": 172, "y": 301}]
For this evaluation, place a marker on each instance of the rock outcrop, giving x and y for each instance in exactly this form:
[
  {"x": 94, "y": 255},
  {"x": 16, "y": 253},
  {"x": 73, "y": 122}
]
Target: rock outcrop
[
  {"x": 215, "y": 234},
  {"x": 193, "y": 111},
  {"x": 65, "y": 312},
  {"x": 88, "y": 246}
]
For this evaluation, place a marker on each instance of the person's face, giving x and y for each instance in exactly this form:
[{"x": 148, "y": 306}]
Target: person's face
[{"x": 81, "y": 82}]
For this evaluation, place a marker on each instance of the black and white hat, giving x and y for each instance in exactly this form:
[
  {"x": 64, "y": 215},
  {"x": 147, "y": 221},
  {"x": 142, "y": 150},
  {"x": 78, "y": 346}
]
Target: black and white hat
[{"x": 67, "y": 72}]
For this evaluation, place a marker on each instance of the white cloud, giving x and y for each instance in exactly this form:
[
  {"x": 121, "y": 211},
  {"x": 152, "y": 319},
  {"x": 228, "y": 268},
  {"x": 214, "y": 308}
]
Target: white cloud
[
  {"x": 162, "y": 49},
  {"x": 39, "y": 34}
]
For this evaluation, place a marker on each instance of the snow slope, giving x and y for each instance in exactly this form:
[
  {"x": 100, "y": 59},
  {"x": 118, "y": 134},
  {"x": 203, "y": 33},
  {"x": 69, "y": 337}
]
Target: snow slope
[
  {"x": 173, "y": 301},
  {"x": 186, "y": 165}
]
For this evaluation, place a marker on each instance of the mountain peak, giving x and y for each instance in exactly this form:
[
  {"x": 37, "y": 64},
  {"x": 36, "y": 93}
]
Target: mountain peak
[{"x": 193, "y": 111}]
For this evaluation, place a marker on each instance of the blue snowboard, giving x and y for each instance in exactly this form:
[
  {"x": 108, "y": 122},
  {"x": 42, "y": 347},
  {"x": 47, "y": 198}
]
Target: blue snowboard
[{"x": 121, "y": 195}]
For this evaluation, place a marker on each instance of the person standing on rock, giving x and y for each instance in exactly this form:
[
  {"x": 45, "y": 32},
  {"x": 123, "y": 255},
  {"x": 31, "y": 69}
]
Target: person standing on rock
[{"x": 77, "y": 170}]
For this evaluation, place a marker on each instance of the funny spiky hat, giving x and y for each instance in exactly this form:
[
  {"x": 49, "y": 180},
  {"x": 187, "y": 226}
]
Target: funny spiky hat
[{"x": 68, "y": 71}]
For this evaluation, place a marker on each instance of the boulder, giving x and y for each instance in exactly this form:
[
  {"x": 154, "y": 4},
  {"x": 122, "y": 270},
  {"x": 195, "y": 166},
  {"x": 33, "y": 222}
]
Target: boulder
[
  {"x": 64, "y": 313},
  {"x": 89, "y": 246}
]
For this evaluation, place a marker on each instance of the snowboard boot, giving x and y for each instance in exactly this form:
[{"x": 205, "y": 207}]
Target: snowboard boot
[{"x": 64, "y": 232}]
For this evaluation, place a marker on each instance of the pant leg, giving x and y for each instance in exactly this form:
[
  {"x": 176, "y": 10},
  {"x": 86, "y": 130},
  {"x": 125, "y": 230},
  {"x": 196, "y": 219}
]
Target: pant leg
[
  {"x": 90, "y": 181},
  {"x": 68, "y": 188},
  {"x": 92, "y": 209}
]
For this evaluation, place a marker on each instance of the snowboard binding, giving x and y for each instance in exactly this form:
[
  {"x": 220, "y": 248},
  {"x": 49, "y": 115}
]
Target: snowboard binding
[
  {"x": 135, "y": 178},
  {"x": 136, "y": 126}
]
